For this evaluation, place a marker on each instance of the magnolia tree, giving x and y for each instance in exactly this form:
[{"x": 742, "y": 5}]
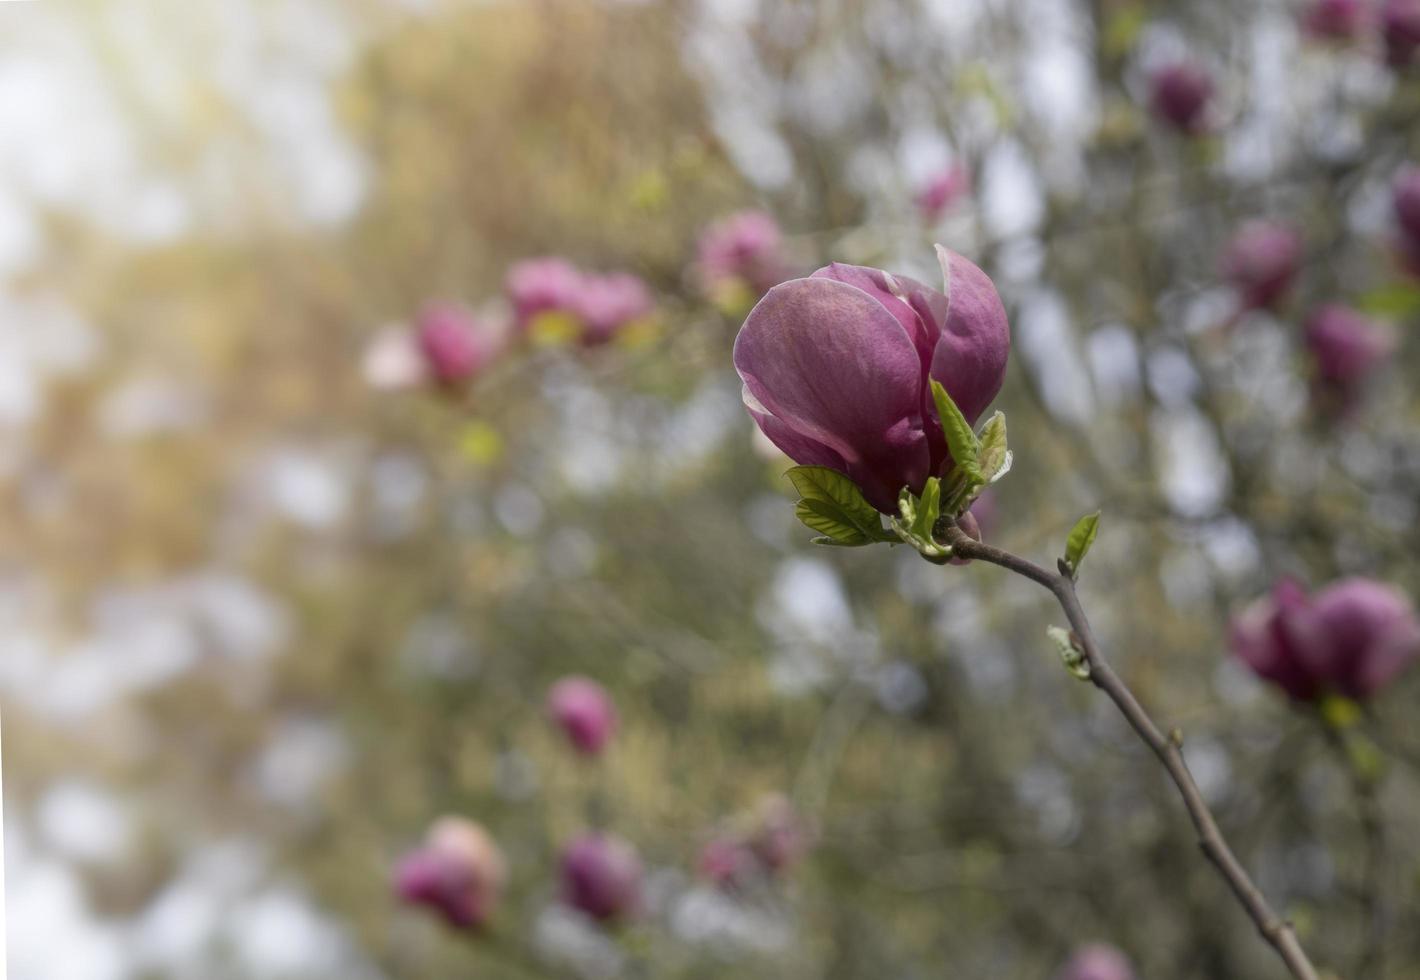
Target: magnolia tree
[{"x": 514, "y": 463}]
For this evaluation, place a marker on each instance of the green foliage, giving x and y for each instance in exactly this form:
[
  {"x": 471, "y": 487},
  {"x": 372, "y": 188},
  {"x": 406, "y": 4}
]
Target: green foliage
[
  {"x": 833, "y": 506},
  {"x": 1081, "y": 538}
]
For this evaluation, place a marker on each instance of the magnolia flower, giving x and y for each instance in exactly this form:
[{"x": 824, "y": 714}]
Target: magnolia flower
[
  {"x": 836, "y": 369},
  {"x": 1351, "y": 638},
  {"x": 601, "y": 877},
  {"x": 728, "y": 862},
  {"x": 1261, "y": 261},
  {"x": 584, "y": 711},
  {"x": 458, "y": 872},
  {"x": 1346, "y": 348},
  {"x": 744, "y": 249},
  {"x": 545, "y": 285},
  {"x": 454, "y": 345},
  {"x": 605, "y": 304},
  {"x": 1335, "y": 20},
  {"x": 1400, "y": 27},
  {"x": 942, "y": 190},
  {"x": 1180, "y": 93},
  {"x": 1096, "y": 961},
  {"x": 779, "y": 837}
]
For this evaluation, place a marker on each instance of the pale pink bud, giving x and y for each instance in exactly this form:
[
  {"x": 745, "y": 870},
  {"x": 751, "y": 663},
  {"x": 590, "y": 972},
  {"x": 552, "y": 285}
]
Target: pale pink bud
[
  {"x": 458, "y": 872},
  {"x": 584, "y": 711}
]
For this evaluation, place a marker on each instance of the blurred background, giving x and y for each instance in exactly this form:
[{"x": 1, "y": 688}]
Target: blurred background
[{"x": 274, "y": 598}]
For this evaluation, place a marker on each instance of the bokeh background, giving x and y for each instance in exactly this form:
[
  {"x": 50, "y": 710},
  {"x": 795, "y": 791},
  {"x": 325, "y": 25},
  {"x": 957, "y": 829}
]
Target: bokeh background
[{"x": 264, "y": 620}]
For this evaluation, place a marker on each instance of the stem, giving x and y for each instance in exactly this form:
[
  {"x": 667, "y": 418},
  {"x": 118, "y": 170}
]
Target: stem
[{"x": 1276, "y": 930}]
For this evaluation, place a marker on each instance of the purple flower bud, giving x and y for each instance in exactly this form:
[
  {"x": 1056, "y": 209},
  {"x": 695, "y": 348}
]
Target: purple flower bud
[
  {"x": 728, "y": 862},
  {"x": 607, "y": 303},
  {"x": 1400, "y": 26},
  {"x": 746, "y": 247},
  {"x": 781, "y": 837},
  {"x": 584, "y": 711},
  {"x": 1096, "y": 961},
  {"x": 1180, "y": 93},
  {"x": 942, "y": 190},
  {"x": 1261, "y": 261},
  {"x": 454, "y": 345},
  {"x": 601, "y": 876},
  {"x": 458, "y": 872},
  {"x": 1346, "y": 348},
  {"x": 1405, "y": 199},
  {"x": 546, "y": 285},
  {"x": 836, "y": 369},
  {"x": 1351, "y": 638},
  {"x": 1335, "y": 20}
]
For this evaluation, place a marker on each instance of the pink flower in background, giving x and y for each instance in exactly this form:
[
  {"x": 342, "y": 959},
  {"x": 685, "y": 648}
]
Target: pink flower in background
[
  {"x": 1346, "y": 348},
  {"x": 454, "y": 345},
  {"x": 607, "y": 303},
  {"x": 1400, "y": 27},
  {"x": 1351, "y": 638},
  {"x": 942, "y": 190},
  {"x": 1179, "y": 94},
  {"x": 1261, "y": 261},
  {"x": 601, "y": 877},
  {"x": 1335, "y": 20},
  {"x": 836, "y": 368},
  {"x": 584, "y": 711},
  {"x": 728, "y": 862},
  {"x": 780, "y": 837},
  {"x": 746, "y": 247},
  {"x": 1096, "y": 961},
  {"x": 545, "y": 285},
  {"x": 1405, "y": 201},
  {"x": 458, "y": 872}
]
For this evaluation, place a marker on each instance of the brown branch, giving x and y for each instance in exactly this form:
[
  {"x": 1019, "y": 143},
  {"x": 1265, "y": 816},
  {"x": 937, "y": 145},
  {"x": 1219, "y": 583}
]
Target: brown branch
[{"x": 1276, "y": 930}]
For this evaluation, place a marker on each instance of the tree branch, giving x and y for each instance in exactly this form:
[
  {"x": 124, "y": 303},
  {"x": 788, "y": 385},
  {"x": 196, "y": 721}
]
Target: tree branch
[{"x": 1168, "y": 748}]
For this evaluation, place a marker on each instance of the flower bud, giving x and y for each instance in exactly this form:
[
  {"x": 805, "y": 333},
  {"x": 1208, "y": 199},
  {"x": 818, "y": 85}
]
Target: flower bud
[
  {"x": 1400, "y": 27},
  {"x": 780, "y": 837},
  {"x": 942, "y": 190},
  {"x": 1335, "y": 20},
  {"x": 1405, "y": 200},
  {"x": 1346, "y": 348},
  {"x": 1351, "y": 638},
  {"x": 836, "y": 369},
  {"x": 584, "y": 711},
  {"x": 1180, "y": 93},
  {"x": 1261, "y": 261},
  {"x": 607, "y": 303},
  {"x": 458, "y": 872},
  {"x": 1096, "y": 961},
  {"x": 455, "y": 346},
  {"x": 728, "y": 862},
  {"x": 744, "y": 249},
  {"x": 545, "y": 285},
  {"x": 601, "y": 876}
]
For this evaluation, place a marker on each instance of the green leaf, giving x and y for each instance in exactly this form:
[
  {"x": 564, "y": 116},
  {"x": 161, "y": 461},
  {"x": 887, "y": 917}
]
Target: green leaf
[
  {"x": 929, "y": 508},
  {"x": 1397, "y": 300},
  {"x": 829, "y": 520},
  {"x": 840, "y": 499},
  {"x": 1082, "y": 535},
  {"x": 993, "y": 458},
  {"x": 961, "y": 441},
  {"x": 1070, "y": 655}
]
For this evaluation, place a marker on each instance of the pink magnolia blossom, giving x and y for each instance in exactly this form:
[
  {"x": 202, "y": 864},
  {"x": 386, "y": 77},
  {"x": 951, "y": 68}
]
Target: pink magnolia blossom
[
  {"x": 1180, "y": 93},
  {"x": 584, "y": 711},
  {"x": 454, "y": 345},
  {"x": 544, "y": 285},
  {"x": 607, "y": 303},
  {"x": 601, "y": 877},
  {"x": 746, "y": 247},
  {"x": 1096, "y": 961},
  {"x": 942, "y": 190},
  {"x": 836, "y": 369},
  {"x": 1346, "y": 348},
  {"x": 459, "y": 873},
  {"x": 1400, "y": 29},
  {"x": 1351, "y": 638},
  {"x": 1335, "y": 20},
  {"x": 1261, "y": 261}
]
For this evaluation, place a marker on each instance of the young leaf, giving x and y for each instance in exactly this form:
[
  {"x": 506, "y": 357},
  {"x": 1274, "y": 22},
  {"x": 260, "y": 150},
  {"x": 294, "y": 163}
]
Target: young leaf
[
  {"x": 961, "y": 441},
  {"x": 832, "y": 487},
  {"x": 994, "y": 458},
  {"x": 929, "y": 508},
  {"x": 1070, "y": 655},
  {"x": 1082, "y": 535},
  {"x": 828, "y": 519}
]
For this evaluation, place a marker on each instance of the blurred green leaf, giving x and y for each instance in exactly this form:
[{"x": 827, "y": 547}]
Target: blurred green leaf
[
  {"x": 1398, "y": 300},
  {"x": 1082, "y": 536}
]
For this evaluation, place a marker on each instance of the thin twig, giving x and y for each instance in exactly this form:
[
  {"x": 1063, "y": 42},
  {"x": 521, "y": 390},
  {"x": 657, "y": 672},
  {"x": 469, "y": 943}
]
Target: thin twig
[{"x": 1168, "y": 748}]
